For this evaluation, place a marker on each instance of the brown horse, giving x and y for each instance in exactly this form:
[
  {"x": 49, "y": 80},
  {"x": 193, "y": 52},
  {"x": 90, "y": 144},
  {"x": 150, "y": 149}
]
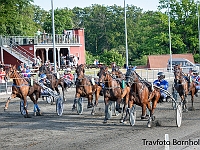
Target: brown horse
[
  {"x": 22, "y": 89},
  {"x": 55, "y": 82},
  {"x": 112, "y": 92},
  {"x": 139, "y": 95},
  {"x": 183, "y": 86},
  {"x": 86, "y": 87}
]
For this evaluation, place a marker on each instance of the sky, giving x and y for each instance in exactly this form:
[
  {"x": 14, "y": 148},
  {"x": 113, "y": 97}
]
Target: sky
[{"x": 144, "y": 4}]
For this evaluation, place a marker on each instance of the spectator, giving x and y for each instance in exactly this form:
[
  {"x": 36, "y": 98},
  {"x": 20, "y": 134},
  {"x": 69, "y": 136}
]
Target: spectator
[
  {"x": 2, "y": 75},
  {"x": 21, "y": 67},
  {"x": 75, "y": 61},
  {"x": 161, "y": 82},
  {"x": 34, "y": 64},
  {"x": 113, "y": 66},
  {"x": 39, "y": 35},
  {"x": 38, "y": 61},
  {"x": 62, "y": 59},
  {"x": 24, "y": 73},
  {"x": 71, "y": 60},
  {"x": 67, "y": 60},
  {"x": 1, "y": 64},
  {"x": 28, "y": 71}
]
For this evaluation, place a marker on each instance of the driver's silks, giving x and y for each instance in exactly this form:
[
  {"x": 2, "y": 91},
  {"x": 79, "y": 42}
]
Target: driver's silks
[{"x": 123, "y": 84}]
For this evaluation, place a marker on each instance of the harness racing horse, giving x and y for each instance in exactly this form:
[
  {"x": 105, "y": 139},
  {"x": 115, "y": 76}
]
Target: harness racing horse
[
  {"x": 112, "y": 92},
  {"x": 22, "y": 89},
  {"x": 183, "y": 86},
  {"x": 139, "y": 95},
  {"x": 85, "y": 87},
  {"x": 55, "y": 82}
]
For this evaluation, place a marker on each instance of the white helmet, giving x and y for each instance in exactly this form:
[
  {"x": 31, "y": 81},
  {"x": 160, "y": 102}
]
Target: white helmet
[{"x": 68, "y": 69}]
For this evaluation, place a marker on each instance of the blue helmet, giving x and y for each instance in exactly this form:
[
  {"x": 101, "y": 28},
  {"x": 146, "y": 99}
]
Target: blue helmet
[{"x": 42, "y": 76}]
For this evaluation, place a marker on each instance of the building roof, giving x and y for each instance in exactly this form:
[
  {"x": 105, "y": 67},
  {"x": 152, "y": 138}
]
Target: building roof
[{"x": 160, "y": 61}]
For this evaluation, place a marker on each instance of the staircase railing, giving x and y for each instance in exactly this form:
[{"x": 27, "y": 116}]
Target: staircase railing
[{"x": 15, "y": 46}]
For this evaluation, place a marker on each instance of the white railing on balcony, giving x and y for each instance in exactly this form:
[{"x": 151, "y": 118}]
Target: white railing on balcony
[{"x": 41, "y": 39}]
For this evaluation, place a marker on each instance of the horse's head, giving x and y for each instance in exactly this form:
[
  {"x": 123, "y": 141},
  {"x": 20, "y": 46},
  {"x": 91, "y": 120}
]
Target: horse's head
[
  {"x": 10, "y": 72},
  {"x": 44, "y": 70},
  {"x": 177, "y": 72},
  {"x": 102, "y": 74},
  {"x": 130, "y": 77},
  {"x": 117, "y": 73},
  {"x": 80, "y": 70}
]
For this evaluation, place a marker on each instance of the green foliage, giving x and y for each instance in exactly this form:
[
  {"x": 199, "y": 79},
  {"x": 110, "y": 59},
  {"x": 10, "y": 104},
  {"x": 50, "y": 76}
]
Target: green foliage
[
  {"x": 112, "y": 56},
  {"x": 89, "y": 58},
  {"x": 138, "y": 62}
]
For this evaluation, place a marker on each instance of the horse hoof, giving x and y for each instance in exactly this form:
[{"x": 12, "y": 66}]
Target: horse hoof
[
  {"x": 27, "y": 116},
  {"x": 149, "y": 125},
  {"x": 5, "y": 109},
  {"x": 53, "y": 103},
  {"x": 89, "y": 106},
  {"x": 39, "y": 114},
  {"x": 105, "y": 121},
  {"x": 92, "y": 113},
  {"x": 144, "y": 117},
  {"x": 191, "y": 109},
  {"x": 153, "y": 118},
  {"x": 121, "y": 121}
]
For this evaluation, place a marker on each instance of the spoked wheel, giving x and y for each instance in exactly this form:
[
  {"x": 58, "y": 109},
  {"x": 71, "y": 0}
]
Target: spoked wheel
[
  {"x": 174, "y": 94},
  {"x": 22, "y": 110},
  {"x": 132, "y": 116},
  {"x": 109, "y": 114},
  {"x": 179, "y": 114},
  {"x": 59, "y": 106},
  {"x": 49, "y": 99},
  {"x": 80, "y": 106}
]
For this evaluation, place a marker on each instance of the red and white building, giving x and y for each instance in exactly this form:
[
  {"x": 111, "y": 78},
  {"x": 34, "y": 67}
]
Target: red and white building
[{"x": 17, "y": 49}]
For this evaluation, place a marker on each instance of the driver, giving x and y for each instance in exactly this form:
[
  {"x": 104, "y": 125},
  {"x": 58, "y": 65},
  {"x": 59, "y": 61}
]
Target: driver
[
  {"x": 196, "y": 79},
  {"x": 46, "y": 82},
  {"x": 68, "y": 76},
  {"x": 161, "y": 82}
]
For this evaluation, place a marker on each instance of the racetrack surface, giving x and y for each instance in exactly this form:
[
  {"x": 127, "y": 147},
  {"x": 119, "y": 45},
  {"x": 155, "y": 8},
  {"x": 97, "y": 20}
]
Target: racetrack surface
[{"x": 86, "y": 132}]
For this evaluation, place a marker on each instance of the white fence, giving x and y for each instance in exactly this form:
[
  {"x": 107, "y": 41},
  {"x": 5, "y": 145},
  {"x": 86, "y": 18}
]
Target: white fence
[{"x": 148, "y": 74}]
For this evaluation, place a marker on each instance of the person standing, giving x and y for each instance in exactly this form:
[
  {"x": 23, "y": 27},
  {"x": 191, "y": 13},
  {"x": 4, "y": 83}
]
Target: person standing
[
  {"x": 2, "y": 75},
  {"x": 38, "y": 61}
]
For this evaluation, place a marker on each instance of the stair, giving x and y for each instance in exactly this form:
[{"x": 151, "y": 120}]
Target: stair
[{"x": 18, "y": 52}]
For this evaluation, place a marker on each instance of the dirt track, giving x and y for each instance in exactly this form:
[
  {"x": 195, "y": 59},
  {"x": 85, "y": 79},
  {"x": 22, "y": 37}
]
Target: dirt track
[{"x": 72, "y": 131}]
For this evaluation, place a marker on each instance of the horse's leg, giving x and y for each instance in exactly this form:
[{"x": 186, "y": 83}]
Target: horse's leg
[
  {"x": 106, "y": 101},
  {"x": 192, "y": 97},
  {"x": 77, "y": 96},
  {"x": 97, "y": 92},
  {"x": 25, "y": 107},
  {"x": 63, "y": 89},
  {"x": 124, "y": 116},
  {"x": 144, "y": 111},
  {"x": 90, "y": 97},
  {"x": 8, "y": 101}
]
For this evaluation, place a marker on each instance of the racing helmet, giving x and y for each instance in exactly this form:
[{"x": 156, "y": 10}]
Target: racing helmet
[
  {"x": 67, "y": 70},
  {"x": 195, "y": 72},
  {"x": 161, "y": 75},
  {"x": 42, "y": 76}
]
